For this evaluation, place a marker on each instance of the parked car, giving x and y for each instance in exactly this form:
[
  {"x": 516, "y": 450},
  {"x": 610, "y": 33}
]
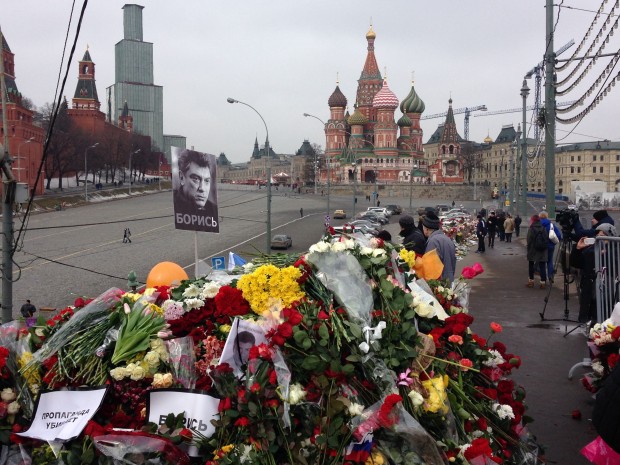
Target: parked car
[
  {"x": 374, "y": 216},
  {"x": 395, "y": 209},
  {"x": 423, "y": 210},
  {"x": 281, "y": 241},
  {"x": 383, "y": 211},
  {"x": 439, "y": 209},
  {"x": 367, "y": 223},
  {"x": 339, "y": 214}
]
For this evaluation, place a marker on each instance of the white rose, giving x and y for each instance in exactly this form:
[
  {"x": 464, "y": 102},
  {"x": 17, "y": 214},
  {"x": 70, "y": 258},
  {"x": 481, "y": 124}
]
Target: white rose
[
  {"x": 8, "y": 395},
  {"x": 416, "y": 398},
  {"x": 378, "y": 253},
  {"x": 13, "y": 408},
  {"x": 355, "y": 409},
  {"x": 137, "y": 373},
  {"x": 319, "y": 247},
  {"x": 339, "y": 247},
  {"x": 119, "y": 373},
  {"x": 296, "y": 394},
  {"x": 349, "y": 243},
  {"x": 425, "y": 310},
  {"x": 152, "y": 358},
  {"x": 365, "y": 251}
]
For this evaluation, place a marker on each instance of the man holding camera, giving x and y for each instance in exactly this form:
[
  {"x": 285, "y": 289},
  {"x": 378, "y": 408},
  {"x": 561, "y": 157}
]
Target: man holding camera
[{"x": 598, "y": 218}]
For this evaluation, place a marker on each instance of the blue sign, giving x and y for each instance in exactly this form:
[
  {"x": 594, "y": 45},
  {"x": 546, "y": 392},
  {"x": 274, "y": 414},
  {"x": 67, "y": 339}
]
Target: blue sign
[{"x": 218, "y": 263}]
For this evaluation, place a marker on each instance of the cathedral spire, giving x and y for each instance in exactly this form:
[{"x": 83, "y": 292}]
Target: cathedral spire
[{"x": 449, "y": 130}]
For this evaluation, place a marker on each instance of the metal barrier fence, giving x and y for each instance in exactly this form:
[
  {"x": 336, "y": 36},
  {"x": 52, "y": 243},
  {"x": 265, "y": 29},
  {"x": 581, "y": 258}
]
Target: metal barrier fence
[{"x": 607, "y": 265}]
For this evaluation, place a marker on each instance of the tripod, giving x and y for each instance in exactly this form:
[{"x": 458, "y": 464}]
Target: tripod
[{"x": 563, "y": 260}]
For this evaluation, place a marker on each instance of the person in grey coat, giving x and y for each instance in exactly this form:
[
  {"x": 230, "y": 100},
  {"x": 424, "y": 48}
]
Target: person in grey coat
[
  {"x": 536, "y": 254},
  {"x": 442, "y": 243}
]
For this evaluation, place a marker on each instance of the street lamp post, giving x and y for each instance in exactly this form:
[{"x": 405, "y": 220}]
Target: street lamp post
[
  {"x": 19, "y": 158},
  {"x": 86, "y": 169},
  {"x": 131, "y": 154},
  {"x": 232, "y": 100},
  {"x": 414, "y": 167},
  {"x": 525, "y": 90},
  {"x": 473, "y": 170},
  {"x": 159, "y": 175},
  {"x": 327, "y": 162}
]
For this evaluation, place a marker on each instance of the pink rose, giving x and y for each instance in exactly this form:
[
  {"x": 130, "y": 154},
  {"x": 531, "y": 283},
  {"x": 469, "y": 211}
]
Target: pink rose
[
  {"x": 468, "y": 273},
  {"x": 477, "y": 269}
]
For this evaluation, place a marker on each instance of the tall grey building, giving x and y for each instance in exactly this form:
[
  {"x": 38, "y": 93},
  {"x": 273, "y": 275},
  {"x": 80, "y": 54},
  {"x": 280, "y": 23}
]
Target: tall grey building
[{"x": 134, "y": 81}]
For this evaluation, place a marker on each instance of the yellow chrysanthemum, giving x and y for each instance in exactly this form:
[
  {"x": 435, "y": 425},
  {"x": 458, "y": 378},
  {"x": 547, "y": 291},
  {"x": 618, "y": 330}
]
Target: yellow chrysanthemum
[
  {"x": 408, "y": 257},
  {"x": 31, "y": 375},
  {"x": 132, "y": 296},
  {"x": 156, "y": 309},
  {"x": 268, "y": 283}
]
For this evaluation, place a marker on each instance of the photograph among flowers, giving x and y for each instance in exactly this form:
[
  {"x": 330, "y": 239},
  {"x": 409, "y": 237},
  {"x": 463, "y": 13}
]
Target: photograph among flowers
[{"x": 361, "y": 359}]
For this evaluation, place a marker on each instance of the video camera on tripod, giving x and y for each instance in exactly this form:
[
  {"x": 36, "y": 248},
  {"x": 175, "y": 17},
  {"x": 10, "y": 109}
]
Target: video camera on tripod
[{"x": 567, "y": 218}]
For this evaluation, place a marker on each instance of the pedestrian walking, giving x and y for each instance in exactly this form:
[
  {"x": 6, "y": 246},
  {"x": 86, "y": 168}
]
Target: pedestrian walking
[
  {"x": 481, "y": 231},
  {"x": 126, "y": 236},
  {"x": 500, "y": 226},
  {"x": 517, "y": 225},
  {"x": 453, "y": 203},
  {"x": 555, "y": 236},
  {"x": 28, "y": 310},
  {"x": 537, "y": 240},
  {"x": 509, "y": 227},
  {"x": 301, "y": 212},
  {"x": 492, "y": 228}
]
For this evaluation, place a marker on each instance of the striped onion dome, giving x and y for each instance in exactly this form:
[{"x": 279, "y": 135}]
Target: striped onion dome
[
  {"x": 405, "y": 121},
  {"x": 357, "y": 118},
  {"x": 412, "y": 103},
  {"x": 385, "y": 98},
  {"x": 337, "y": 99}
]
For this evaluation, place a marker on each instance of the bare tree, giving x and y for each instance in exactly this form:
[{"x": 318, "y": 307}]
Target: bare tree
[{"x": 471, "y": 157}]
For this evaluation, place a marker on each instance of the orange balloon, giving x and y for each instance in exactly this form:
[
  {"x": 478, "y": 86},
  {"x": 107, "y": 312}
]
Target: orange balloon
[{"x": 166, "y": 274}]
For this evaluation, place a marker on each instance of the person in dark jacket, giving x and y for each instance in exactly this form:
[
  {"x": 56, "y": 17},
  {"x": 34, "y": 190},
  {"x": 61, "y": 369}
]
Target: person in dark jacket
[
  {"x": 585, "y": 261},
  {"x": 598, "y": 218},
  {"x": 492, "y": 228},
  {"x": 481, "y": 231},
  {"x": 500, "y": 226},
  {"x": 444, "y": 246},
  {"x": 535, "y": 255},
  {"x": 606, "y": 413},
  {"x": 546, "y": 222},
  {"x": 517, "y": 225},
  {"x": 413, "y": 239}
]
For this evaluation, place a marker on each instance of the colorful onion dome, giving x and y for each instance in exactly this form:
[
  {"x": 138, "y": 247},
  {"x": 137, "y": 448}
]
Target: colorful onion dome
[
  {"x": 337, "y": 99},
  {"x": 405, "y": 121},
  {"x": 412, "y": 103},
  {"x": 385, "y": 98},
  {"x": 357, "y": 118}
]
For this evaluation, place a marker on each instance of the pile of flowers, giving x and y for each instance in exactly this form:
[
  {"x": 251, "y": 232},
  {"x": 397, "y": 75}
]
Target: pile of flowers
[
  {"x": 604, "y": 346},
  {"x": 353, "y": 359}
]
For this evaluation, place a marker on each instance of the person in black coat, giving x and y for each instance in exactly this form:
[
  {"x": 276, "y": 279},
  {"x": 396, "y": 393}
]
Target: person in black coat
[
  {"x": 606, "y": 414},
  {"x": 413, "y": 238},
  {"x": 481, "y": 231},
  {"x": 517, "y": 225},
  {"x": 492, "y": 228}
]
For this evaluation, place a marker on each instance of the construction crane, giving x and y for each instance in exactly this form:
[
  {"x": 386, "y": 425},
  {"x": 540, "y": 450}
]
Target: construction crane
[
  {"x": 466, "y": 110},
  {"x": 536, "y": 71},
  {"x": 535, "y": 106}
]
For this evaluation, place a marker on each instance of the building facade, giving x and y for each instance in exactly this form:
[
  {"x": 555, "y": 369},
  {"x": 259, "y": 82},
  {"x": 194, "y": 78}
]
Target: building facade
[
  {"x": 588, "y": 161},
  {"x": 25, "y": 139}
]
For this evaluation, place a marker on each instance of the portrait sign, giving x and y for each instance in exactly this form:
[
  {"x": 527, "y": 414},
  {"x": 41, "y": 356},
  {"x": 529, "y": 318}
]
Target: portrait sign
[
  {"x": 194, "y": 186},
  {"x": 244, "y": 334}
]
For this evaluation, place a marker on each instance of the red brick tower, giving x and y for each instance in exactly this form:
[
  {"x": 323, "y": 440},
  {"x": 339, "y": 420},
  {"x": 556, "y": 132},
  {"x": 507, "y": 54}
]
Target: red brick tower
[
  {"x": 125, "y": 120},
  {"x": 369, "y": 83},
  {"x": 85, "y": 111}
]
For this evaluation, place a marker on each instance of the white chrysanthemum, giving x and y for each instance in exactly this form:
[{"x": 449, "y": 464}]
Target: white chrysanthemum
[
  {"x": 8, "y": 395},
  {"x": 416, "y": 398},
  {"x": 296, "y": 394},
  {"x": 355, "y": 409},
  {"x": 496, "y": 359},
  {"x": 366, "y": 251},
  {"x": 194, "y": 303},
  {"x": 320, "y": 247},
  {"x": 503, "y": 411},
  {"x": 119, "y": 373},
  {"x": 339, "y": 247},
  {"x": 192, "y": 291},
  {"x": 349, "y": 243},
  {"x": 598, "y": 367},
  {"x": 210, "y": 290},
  {"x": 440, "y": 289}
]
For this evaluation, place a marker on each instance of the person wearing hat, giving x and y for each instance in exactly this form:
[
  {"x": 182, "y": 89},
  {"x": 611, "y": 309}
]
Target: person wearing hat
[
  {"x": 413, "y": 239},
  {"x": 438, "y": 241},
  {"x": 585, "y": 261},
  {"x": 599, "y": 217}
]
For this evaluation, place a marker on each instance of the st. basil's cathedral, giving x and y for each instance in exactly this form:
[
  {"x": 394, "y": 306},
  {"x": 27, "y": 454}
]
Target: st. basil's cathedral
[{"x": 369, "y": 146}]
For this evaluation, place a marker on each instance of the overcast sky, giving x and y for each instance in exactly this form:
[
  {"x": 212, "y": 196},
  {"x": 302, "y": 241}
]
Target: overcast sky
[{"x": 283, "y": 57}]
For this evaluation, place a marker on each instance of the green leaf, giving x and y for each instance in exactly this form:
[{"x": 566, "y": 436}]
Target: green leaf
[
  {"x": 348, "y": 369},
  {"x": 306, "y": 344},
  {"x": 311, "y": 362},
  {"x": 353, "y": 358},
  {"x": 323, "y": 331},
  {"x": 300, "y": 336},
  {"x": 356, "y": 330}
]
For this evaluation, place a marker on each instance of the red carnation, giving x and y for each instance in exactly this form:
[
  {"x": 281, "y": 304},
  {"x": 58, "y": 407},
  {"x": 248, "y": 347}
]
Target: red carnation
[
  {"x": 186, "y": 434},
  {"x": 612, "y": 360},
  {"x": 479, "y": 446},
  {"x": 505, "y": 386},
  {"x": 615, "y": 334},
  {"x": 242, "y": 422},
  {"x": 292, "y": 316}
]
